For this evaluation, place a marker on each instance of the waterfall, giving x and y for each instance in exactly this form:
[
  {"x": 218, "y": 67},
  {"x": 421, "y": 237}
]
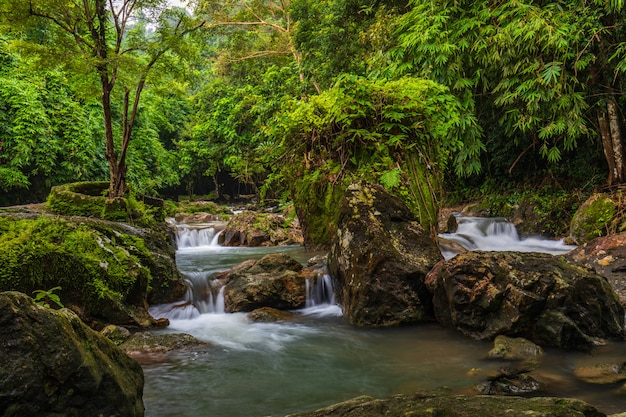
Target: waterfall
[
  {"x": 320, "y": 291},
  {"x": 203, "y": 293},
  {"x": 187, "y": 237},
  {"x": 494, "y": 234}
]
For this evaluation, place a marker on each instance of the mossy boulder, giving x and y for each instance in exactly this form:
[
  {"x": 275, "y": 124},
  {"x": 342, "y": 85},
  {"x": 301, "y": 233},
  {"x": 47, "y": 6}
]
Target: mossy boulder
[
  {"x": 106, "y": 269},
  {"x": 379, "y": 257},
  {"x": 89, "y": 199},
  {"x": 593, "y": 218},
  {"x": 148, "y": 347},
  {"x": 423, "y": 405},
  {"x": 54, "y": 365}
]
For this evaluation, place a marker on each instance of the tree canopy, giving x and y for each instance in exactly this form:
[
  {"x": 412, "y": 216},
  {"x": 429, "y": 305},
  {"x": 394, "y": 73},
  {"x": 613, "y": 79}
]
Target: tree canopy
[{"x": 287, "y": 96}]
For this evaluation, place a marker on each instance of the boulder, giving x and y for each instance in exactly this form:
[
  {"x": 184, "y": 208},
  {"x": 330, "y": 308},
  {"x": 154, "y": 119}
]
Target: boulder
[
  {"x": 593, "y": 218},
  {"x": 457, "y": 406},
  {"x": 518, "y": 384},
  {"x": 607, "y": 257},
  {"x": 273, "y": 281},
  {"x": 147, "y": 347},
  {"x": 250, "y": 228},
  {"x": 533, "y": 295},
  {"x": 379, "y": 257},
  {"x": 525, "y": 353},
  {"x": 108, "y": 271},
  {"x": 54, "y": 365}
]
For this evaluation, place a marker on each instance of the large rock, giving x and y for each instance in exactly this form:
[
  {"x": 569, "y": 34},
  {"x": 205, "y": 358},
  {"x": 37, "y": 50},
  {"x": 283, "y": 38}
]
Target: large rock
[
  {"x": 457, "y": 406},
  {"x": 380, "y": 256},
  {"x": 250, "y": 228},
  {"x": 593, "y": 218},
  {"x": 537, "y": 296},
  {"x": 108, "y": 271},
  {"x": 276, "y": 281},
  {"x": 51, "y": 364},
  {"x": 607, "y": 257}
]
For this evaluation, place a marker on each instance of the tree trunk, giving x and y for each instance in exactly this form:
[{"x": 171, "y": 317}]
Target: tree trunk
[{"x": 610, "y": 126}]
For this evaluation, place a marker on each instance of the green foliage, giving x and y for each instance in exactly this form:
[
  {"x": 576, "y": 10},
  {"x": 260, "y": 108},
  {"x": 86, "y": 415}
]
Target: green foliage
[
  {"x": 398, "y": 132},
  {"x": 44, "y": 298},
  {"x": 534, "y": 69}
]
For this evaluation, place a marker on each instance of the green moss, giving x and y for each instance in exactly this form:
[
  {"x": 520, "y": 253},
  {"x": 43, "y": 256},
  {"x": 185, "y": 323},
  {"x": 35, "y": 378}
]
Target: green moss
[
  {"x": 89, "y": 199},
  {"x": 88, "y": 263},
  {"x": 593, "y": 218}
]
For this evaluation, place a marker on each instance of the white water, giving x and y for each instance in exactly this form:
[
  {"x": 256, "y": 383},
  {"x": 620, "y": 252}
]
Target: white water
[
  {"x": 258, "y": 369},
  {"x": 187, "y": 237},
  {"x": 498, "y": 234}
]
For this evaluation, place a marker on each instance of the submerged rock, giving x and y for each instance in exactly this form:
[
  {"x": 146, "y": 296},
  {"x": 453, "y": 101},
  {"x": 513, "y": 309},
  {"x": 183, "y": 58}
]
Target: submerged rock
[
  {"x": 147, "y": 347},
  {"x": 51, "y": 364},
  {"x": 537, "y": 296},
  {"x": 380, "y": 256},
  {"x": 605, "y": 373},
  {"x": 270, "y": 315},
  {"x": 457, "y": 406}
]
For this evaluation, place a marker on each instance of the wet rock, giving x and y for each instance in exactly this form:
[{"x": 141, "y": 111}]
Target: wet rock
[
  {"x": 147, "y": 347},
  {"x": 457, "y": 406},
  {"x": 606, "y": 373},
  {"x": 517, "y": 349},
  {"x": 537, "y": 296},
  {"x": 379, "y": 257},
  {"x": 518, "y": 384},
  {"x": 269, "y": 315},
  {"x": 607, "y": 257},
  {"x": 116, "y": 334},
  {"x": 260, "y": 229},
  {"x": 273, "y": 281},
  {"x": 54, "y": 365},
  {"x": 592, "y": 219}
]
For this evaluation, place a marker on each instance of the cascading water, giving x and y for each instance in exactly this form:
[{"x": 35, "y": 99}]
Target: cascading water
[
  {"x": 316, "y": 359},
  {"x": 494, "y": 234},
  {"x": 320, "y": 291},
  {"x": 187, "y": 237}
]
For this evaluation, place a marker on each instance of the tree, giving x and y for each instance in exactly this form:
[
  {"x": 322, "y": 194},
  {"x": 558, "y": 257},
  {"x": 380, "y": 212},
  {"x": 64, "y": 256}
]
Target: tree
[
  {"x": 120, "y": 43},
  {"x": 550, "y": 73}
]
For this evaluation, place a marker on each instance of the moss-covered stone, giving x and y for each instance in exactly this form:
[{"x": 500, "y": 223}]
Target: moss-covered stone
[
  {"x": 420, "y": 405},
  {"x": 53, "y": 365},
  {"x": 105, "y": 268},
  {"x": 593, "y": 218}
]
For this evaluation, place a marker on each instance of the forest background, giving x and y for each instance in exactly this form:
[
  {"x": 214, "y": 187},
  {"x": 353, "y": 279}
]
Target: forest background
[{"x": 439, "y": 102}]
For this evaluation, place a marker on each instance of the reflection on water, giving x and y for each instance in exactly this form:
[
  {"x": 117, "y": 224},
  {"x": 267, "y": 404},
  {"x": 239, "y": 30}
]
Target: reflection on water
[{"x": 259, "y": 369}]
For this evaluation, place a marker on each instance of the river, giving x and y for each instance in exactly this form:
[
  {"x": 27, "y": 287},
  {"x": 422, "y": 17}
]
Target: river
[{"x": 261, "y": 369}]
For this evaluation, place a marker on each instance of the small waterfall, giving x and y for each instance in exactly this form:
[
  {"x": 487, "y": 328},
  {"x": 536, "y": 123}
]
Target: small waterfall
[
  {"x": 320, "y": 291},
  {"x": 204, "y": 294},
  {"x": 187, "y": 237},
  {"x": 494, "y": 234}
]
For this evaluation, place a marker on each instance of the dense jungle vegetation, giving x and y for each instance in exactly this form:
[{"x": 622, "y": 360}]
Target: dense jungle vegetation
[{"x": 294, "y": 99}]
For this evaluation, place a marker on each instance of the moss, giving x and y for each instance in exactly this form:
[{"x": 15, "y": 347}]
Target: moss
[
  {"x": 92, "y": 265},
  {"x": 89, "y": 199},
  {"x": 593, "y": 218}
]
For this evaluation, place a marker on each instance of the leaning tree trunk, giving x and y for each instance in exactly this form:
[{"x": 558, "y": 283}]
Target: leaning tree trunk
[{"x": 610, "y": 126}]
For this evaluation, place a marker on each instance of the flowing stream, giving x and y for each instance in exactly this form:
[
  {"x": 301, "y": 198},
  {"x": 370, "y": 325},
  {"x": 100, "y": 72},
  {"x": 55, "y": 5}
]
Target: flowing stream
[{"x": 262, "y": 369}]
